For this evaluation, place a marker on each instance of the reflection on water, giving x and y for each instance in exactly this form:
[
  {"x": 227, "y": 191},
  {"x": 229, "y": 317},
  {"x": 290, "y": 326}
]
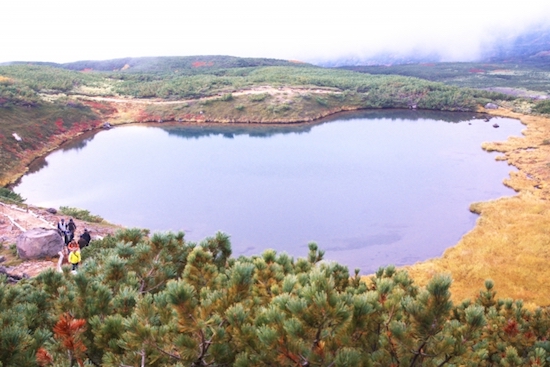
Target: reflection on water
[
  {"x": 79, "y": 143},
  {"x": 371, "y": 188},
  {"x": 196, "y": 131}
]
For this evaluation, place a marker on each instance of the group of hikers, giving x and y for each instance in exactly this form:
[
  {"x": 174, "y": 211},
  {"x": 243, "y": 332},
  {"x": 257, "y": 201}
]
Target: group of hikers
[{"x": 67, "y": 231}]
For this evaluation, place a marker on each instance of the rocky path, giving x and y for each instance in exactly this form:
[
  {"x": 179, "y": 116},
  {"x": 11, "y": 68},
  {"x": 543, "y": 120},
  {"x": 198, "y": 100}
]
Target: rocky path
[
  {"x": 255, "y": 90},
  {"x": 15, "y": 220}
]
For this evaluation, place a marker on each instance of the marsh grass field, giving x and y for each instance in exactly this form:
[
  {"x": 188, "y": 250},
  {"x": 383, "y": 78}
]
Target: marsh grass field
[{"x": 510, "y": 242}]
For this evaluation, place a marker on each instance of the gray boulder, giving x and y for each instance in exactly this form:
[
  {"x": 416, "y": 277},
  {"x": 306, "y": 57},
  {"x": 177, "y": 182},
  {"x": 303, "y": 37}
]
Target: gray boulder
[
  {"x": 491, "y": 106},
  {"x": 39, "y": 243}
]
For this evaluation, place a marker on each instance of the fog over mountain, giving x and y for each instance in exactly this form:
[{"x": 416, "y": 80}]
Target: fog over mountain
[
  {"x": 531, "y": 43},
  {"x": 347, "y": 32}
]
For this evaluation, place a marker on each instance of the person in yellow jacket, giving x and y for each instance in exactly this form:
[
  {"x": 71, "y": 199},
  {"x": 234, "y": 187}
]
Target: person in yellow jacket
[{"x": 74, "y": 254}]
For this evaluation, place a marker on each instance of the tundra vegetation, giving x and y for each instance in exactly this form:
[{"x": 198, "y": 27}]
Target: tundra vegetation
[
  {"x": 528, "y": 74},
  {"x": 143, "y": 300}
]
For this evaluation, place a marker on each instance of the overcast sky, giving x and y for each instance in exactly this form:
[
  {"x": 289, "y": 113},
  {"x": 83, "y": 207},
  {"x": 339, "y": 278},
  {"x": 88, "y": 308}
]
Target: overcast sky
[{"x": 65, "y": 31}]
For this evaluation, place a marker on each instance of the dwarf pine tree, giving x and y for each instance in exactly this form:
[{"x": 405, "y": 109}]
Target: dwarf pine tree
[{"x": 141, "y": 300}]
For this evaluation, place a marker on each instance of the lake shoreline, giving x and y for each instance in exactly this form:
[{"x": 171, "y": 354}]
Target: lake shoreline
[
  {"x": 509, "y": 241},
  {"x": 132, "y": 113},
  {"x": 531, "y": 183}
]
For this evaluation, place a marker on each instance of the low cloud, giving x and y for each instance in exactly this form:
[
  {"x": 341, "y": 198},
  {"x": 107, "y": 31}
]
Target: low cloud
[{"x": 58, "y": 31}]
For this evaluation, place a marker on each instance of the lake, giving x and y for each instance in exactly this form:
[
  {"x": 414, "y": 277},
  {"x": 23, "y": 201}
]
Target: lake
[{"x": 372, "y": 188}]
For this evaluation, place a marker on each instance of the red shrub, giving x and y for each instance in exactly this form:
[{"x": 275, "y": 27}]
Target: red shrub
[
  {"x": 59, "y": 124},
  {"x": 511, "y": 328}
]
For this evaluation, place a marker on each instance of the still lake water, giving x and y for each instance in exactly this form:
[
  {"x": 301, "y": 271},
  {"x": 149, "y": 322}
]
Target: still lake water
[{"x": 372, "y": 189}]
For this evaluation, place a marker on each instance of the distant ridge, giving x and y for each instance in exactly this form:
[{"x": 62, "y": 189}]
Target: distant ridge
[
  {"x": 167, "y": 63},
  {"x": 532, "y": 44}
]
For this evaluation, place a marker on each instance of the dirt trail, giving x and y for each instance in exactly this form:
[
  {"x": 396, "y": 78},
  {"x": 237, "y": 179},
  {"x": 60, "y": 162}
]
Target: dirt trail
[{"x": 256, "y": 90}]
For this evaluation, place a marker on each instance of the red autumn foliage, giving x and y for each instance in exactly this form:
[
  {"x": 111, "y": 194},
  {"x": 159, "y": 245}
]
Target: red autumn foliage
[
  {"x": 43, "y": 358},
  {"x": 83, "y": 126},
  {"x": 199, "y": 64},
  {"x": 68, "y": 331},
  {"x": 104, "y": 108},
  {"x": 511, "y": 328},
  {"x": 59, "y": 124},
  {"x": 474, "y": 70}
]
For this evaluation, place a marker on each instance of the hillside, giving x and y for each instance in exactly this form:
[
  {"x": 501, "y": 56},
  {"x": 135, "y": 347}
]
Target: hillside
[
  {"x": 44, "y": 105},
  {"x": 525, "y": 77},
  {"x": 166, "y": 64}
]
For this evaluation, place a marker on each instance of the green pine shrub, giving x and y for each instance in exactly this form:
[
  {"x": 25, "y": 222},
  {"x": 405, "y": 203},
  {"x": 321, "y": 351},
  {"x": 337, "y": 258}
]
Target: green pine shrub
[
  {"x": 81, "y": 214},
  {"x": 542, "y": 107},
  {"x": 10, "y": 196},
  {"x": 158, "y": 300}
]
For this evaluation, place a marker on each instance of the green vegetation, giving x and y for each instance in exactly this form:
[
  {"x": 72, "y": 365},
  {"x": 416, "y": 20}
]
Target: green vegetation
[
  {"x": 10, "y": 196},
  {"x": 160, "y": 301},
  {"x": 217, "y": 78},
  {"x": 527, "y": 74},
  {"x": 80, "y": 214},
  {"x": 258, "y": 97},
  {"x": 377, "y": 91},
  {"x": 185, "y": 64},
  {"x": 9, "y": 252},
  {"x": 13, "y": 249},
  {"x": 542, "y": 107}
]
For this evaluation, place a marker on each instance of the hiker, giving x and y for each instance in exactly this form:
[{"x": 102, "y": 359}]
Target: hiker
[
  {"x": 62, "y": 227},
  {"x": 84, "y": 239},
  {"x": 71, "y": 227},
  {"x": 74, "y": 255}
]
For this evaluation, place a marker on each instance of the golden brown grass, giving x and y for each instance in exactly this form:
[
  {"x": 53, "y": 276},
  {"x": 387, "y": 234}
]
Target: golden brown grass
[
  {"x": 510, "y": 243},
  {"x": 5, "y": 80}
]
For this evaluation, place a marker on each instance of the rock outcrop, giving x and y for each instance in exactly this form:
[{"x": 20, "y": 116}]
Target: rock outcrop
[
  {"x": 39, "y": 243},
  {"x": 10, "y": 277}
]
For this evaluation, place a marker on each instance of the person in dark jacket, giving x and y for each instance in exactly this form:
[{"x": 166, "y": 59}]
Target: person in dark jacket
[
  {"x": 71, "y": 227},
  {"x": 84, "y": 239}
]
